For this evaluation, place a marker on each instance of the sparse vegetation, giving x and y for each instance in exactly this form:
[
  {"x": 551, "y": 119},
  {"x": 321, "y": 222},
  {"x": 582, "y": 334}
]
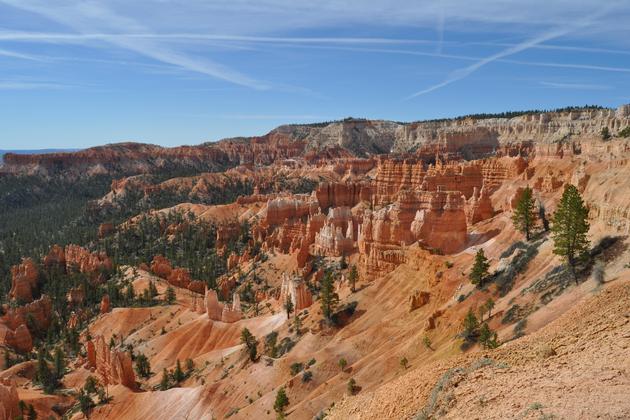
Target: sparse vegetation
[{"x": 352, "y": 386}]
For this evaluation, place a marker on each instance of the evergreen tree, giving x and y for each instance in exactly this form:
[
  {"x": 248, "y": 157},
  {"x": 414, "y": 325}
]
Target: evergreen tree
[
  {"x": 143, "y": 367},
  {"x": 60, "y": 368},
  {"x": 282, "y": 401},
  {"x": 85, "y": 403},
  {"x": 31, "y": 414},
  {"x": 353, "y": 276},
  {"x": 178, "y": 373},
  {"x": 328, "y": 297},
  {"x": 524, "y": 217},
  {"x": 542, "y": 215},
  {"x": 487, "y": 337},
  {"x": 569, "y": 228},
  {"x": 251, "y": 344},
  {"x": 470, "y": 326},
  {"x": 489, "y": 306},
  {"x": 605, "y": 134},
  {"x": 164, "y": 382},
  {"x": 44, "y": 375},
  {"x": 288, "y": 306},
  {"x": 170, "y": 295},
  {"x": 479, "y": 270}
]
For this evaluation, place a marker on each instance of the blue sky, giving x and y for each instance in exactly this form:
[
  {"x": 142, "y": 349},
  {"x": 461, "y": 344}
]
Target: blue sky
[{"x": 170, "y": 72}]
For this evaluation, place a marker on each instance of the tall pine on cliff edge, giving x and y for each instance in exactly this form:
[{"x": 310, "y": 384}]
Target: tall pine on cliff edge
[
  {"x": 569, "y": 228},
  {"x": 524, "y": 217},
  {"x": 479, "y": 270}
]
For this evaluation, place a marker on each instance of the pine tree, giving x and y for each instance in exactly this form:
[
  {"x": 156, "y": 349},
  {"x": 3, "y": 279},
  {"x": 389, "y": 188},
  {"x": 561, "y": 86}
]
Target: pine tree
[
  {"x": 353, "y": 276},
  {"x": 569, "y": 228},
  {"x": 487, "y": 337},
  {"x": 282, "y": 401},
  {"x": 31, "y": 414},
  {"x": 251, "y": 344},
  {"x": 164, "y": 382},
  {"x": 170, "y": 295},
  {"x": 489, "y": 306},
  {"x": 44, "y": 375},
  {"x": 470, "y": 326},
  {"x": 479, "y": 270},
  {"x": 288, "y": 306},
  {"x": 60, "y": 368},
  {"x": 178, "y": 374},
  {"x": 524, "y": 217},
  {"x": 328, "y": 297},
  {"x": 143, "y": 367}
]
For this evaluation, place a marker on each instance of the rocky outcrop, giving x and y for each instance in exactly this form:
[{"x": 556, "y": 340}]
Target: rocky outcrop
[
  {"x": 339, "y": 194},
  {"x": 197, "y": 286},
  {"x": 479, "y": 207},
  {"x": 105, "y": 304},
  {"x": 336, "y": 237},
  {"x": 281, "y": 209},
  {"x": 84, "y": 261},
  {"x": 179, "y": 277},
  {"x": 295, "y": 288},
  {"x": 23, "y": 280},
  {"x": 56, "y": 257},
  {"x": 76, "y": 295},
  {"x": 20, "y": 339},
  {"x": 113, "y": 366},
  {"x": 418, "y": 299},
  {"x": 161, "y": 266},
  {"x": 218, "y": 311},
  {"x": 40, "y": 310},
  {"x": 9, "y": 401},
  {"x": 442, "y": 226}
]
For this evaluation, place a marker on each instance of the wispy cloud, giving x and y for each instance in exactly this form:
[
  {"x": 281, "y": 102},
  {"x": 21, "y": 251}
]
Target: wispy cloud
[
  {"x": 17, "y": 85},
  {"x": 575, "y": 86},
  {"x": 462, "y": 73},
  {"x": 82, "y": 17},
  {"x": 13, "y": 54}
]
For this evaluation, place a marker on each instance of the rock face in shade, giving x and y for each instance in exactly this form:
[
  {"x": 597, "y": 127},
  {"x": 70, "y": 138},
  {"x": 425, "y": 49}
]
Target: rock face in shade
[
  {"x": 9, "y": 401},
  {"x": 105, "y": 304},
  {"x": 23, "y": 280},
  {"x": 114, "y": 366}
]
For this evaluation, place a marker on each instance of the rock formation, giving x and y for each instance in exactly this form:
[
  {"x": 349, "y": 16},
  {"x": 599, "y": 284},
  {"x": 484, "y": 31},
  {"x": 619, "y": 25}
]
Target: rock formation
[
  {"x": 23, "y": 280},
  {"x": 20, "y": 339},
  {"x": 105, "y": 304},
  {"x": 418, "y": 299},
  {"x": 114, "y": 366},
  {"x": 295, "y": 289},
  {"x": 179, "y": 277},
  {"x": 161, "y": 266},
  {"x": 9, "y": 401},
  {"x": 79, "y": 258}
]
